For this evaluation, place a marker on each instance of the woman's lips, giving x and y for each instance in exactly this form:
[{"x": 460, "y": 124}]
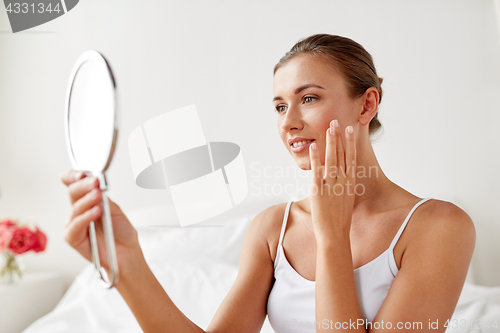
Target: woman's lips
[{"x": 301, "y": 148}]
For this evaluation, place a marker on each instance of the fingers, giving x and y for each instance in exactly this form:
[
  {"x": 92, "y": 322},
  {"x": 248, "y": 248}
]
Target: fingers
[
  {"x": 350, "y": 152},
  {"x": 71, "y": 176},
  {"x": 89, "y": 200},
  {"x": 340, "y": 152},
  {"x": 315, "y": 166},
  {"x": 340, "y": 161},
  {"x": 331, "y": 151},
  {"x": 77, "y": 228},
  {"x": 81, "y": 187}
]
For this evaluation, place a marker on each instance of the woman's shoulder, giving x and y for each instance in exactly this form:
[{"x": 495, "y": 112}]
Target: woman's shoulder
[
  {"x": 433, "y": 213},
  {"x": 441, "y": 243},
  {"x": 441, "y": 212},
  {"x": 444, "y": 220},
  {"x": 270, "y": 218},
  {"x": 267, "y": 224}
]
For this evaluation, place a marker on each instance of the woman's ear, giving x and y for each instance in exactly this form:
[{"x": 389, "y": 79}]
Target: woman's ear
[{"x": 369, "y": 105}]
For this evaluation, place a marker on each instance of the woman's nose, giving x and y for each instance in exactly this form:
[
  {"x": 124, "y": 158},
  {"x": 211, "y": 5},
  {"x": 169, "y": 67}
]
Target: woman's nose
[{"x": 292, "y": 119}]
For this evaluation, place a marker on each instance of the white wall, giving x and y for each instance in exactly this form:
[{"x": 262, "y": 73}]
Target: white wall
[{"x": 440, "y": 111}]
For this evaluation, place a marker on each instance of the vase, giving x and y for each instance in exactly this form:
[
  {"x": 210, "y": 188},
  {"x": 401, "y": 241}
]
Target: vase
[{"x": 12, "y": 270}]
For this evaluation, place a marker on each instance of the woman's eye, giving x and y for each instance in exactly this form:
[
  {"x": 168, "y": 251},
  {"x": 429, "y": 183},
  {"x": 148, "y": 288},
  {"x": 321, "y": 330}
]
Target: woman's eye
[
  {"x": 309, "y": 99},
  {"x": 280, "y": 108}
]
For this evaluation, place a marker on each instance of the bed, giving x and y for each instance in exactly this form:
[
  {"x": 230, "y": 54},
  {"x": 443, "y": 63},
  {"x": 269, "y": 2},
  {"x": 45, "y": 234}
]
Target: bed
[{"x": 197, "y": 266}]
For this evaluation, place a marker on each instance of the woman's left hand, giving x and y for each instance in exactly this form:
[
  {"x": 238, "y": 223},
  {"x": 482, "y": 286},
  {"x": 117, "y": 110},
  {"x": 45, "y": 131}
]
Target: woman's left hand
[{"x": 333, "y": 189}]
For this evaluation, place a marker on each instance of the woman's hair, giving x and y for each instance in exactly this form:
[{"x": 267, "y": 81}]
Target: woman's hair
[{"x": 354, "y": 62}]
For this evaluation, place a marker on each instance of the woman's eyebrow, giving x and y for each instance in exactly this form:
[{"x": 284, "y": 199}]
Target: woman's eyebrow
[
  {"x": 299, "y": 89},
  {"x": 305, "y": 86}
]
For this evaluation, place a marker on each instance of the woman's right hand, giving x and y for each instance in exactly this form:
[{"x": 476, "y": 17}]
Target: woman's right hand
[{"x": 85, "y": 196}]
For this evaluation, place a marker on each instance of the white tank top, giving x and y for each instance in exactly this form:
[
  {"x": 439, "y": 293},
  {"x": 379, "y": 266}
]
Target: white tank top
[{"x": 291, "y": 302}]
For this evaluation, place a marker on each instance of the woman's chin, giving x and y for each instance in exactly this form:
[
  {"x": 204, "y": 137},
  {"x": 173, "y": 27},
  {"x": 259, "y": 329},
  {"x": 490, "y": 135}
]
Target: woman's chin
[{"x": 304, "y": 166}]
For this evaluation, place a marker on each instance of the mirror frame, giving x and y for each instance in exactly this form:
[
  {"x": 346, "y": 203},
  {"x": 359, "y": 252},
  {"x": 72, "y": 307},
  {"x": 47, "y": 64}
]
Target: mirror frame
[{"x": 97, "y": 58}]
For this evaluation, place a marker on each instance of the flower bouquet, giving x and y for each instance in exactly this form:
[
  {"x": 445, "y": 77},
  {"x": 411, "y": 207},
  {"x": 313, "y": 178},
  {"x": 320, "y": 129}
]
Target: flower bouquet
[{"x": 17, "y": 238}]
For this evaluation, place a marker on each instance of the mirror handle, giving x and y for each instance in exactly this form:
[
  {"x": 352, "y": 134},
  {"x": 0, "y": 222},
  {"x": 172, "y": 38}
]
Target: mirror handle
[{"x": 109, "y": 241}]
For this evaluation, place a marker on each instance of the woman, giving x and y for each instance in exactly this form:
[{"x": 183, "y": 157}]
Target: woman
[{"x": 348, "y": 264}]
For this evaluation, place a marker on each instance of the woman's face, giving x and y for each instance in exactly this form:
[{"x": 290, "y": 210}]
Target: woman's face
[{"x": 308, "y": 94}]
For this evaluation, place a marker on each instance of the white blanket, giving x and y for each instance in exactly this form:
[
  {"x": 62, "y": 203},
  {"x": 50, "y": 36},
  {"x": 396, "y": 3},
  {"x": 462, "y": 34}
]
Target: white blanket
[{"x": 478, "y": 310}]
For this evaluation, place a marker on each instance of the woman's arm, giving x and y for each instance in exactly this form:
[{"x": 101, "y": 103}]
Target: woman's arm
[
  {"x": 150, "y": 304},
  {"x": 433, "y": 271},
  {"x": 336, "y": 296},
  {"x": 242, "y": 310},
  {"x": 336, "y": 302}
]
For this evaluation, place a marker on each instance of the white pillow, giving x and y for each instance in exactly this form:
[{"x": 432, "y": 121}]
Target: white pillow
[{"x": 218, "y": 243}]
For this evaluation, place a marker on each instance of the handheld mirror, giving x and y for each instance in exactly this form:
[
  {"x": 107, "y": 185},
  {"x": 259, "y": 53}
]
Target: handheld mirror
[{"x": 91, "y": 132}]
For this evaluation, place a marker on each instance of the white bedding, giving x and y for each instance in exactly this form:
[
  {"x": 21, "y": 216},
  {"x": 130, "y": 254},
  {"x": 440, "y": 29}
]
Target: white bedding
[
  {"x": 197, "y": 267},
  {"x": 478, "y": 310}
]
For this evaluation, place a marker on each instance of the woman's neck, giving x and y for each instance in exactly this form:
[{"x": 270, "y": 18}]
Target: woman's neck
[{"x": 372, "y": 185}]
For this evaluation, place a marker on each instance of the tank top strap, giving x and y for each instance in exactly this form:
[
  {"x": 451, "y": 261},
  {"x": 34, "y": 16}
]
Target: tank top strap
[
  {"x": 285, "y": 219},
  {"x": 400, "y": 231}
]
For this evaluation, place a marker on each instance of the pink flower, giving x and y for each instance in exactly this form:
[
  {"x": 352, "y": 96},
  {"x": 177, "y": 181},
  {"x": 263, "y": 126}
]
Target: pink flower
[
  {"x": 22, "y": 240},
  {"x": 6, "y": 232},
  {"x": 19, "y": 239},
  {"x": 40, "y": 242},
  {"x": 7, "y": 223}
]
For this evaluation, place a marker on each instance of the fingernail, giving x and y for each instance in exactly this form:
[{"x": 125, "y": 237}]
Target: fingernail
[
  {"x": 77, "y": 175},
  {"x": 331, "y": 131},
  {"x": 313, "y": 146},
  {"x": 350, "y": 129},
  {"x": 335, "y": 123}
]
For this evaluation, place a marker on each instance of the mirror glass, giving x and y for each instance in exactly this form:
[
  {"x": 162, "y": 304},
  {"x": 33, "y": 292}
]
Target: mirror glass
[{"x": 91, "y": 117}]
